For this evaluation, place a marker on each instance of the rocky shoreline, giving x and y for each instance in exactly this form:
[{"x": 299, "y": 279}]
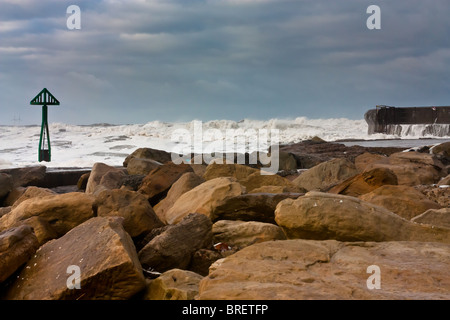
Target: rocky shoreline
[{"x": 154, "y": 230}]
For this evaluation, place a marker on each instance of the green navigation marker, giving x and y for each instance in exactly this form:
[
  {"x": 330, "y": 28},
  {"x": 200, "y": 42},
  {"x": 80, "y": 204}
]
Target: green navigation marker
[{"x": 44, "y": 99}]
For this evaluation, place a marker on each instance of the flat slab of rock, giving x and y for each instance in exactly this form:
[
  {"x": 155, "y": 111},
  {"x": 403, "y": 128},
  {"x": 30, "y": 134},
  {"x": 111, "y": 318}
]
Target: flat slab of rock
[
  {"x": 106, "y": 257},
  {"x": 175, "y": 284},
  {"x": 439, "y": 218},
  {"x": 17, "y": 245},
  {"x": 252, "y": 207},
  {"x": 405, "y": 201},
  {"x": 60, "y": 213},
  {"x": 308, "y": 269},
  {"x": 412, "y": 168},
  {"x": 326, "y": 174},
  {"x": 322, "y": 216},
  {"x": 245, "y": 233}
]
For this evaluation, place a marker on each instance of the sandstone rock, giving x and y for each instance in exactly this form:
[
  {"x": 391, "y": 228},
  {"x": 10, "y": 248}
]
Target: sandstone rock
[
  {"x": 251, "y": 207},
  {"x": 256, "y": 180},
  {"x": 238, "y": 171},
  {"x": 438, "y": 194},
  {"x": 204, "y": 199},
  {"x": 6, "y": 185},
  {"x": 365, "y": 182},
  {"x": 439, "y": 218},
  {"x": 242, "y": 234},
  {"x": 106, "y": 257},
  {"x": 175, "y": 284},
  {"x": 141, "y": 166},
  {"x": 150, "y": 154},
  {"x": 139, "y": 217},
  {"x": 132, "y": 182},
  {"x": 110, "y": 180},
  {"x": 42, "y": 229},
  {"x": 33, "y": 192},
  {"x": 17, "y": 245},
  {"x": 326, "y": 174},
  {"x": 158, "y": 182},
  {"x": 321, "y": 216},
  {"x": 173, "y": 248},
  {"x": 412, "y": 168},
  {"x": 27, "y": 176},
  {"x": 185, "y": 183},
  {"x": 271, "y": 189},
  {"x": 62, "y": 211},
  {"x": 98, "y": 171},
  {"x": 405, "y": 201},
  {"x": 330, "y": 270},
  {"x": 364, "y": 160}
]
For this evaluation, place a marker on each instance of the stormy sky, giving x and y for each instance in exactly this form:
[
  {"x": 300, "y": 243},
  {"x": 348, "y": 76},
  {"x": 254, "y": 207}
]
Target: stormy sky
[{"x": 135, "y": 61}]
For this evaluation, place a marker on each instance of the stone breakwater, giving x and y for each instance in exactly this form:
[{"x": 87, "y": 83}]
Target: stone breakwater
[{"x": 153, "y": 230}]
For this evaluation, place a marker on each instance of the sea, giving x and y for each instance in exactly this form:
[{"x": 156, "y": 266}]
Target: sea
[{"x": 80, "y": 146}]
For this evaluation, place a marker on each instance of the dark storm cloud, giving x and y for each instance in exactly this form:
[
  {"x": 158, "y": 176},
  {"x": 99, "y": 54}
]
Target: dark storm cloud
[{"x": 137, "y": 61}]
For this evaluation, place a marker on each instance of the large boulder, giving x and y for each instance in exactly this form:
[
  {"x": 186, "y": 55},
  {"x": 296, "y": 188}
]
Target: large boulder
[
  {"x": 238, "y": 171},
  {"x": 103, "y": 252},
  {"x": 251, "y": 207},
  {"x": 139, "y": 217},
  {"x": 257, "y": 180},
  {"x": 331, "y": 270},
  {"x": 158, "y": 182},
  {"x": 175, "y": 284},
  {"x": 405, "y": 201},
  {"x": 185, "y": 183},
  {"x": 160, "y": 156},
  {"x": 439, "y": 218},
  {"x": 321, "y": 216},
  {"x": 326, "y": 174},
  {"x": 412, "y": 168},
  {"x": 33, "y": 192},
  {"x": 364, "y": 160},
  {"x": 174, "y": 247},
  {"x": 99, "y": 170},
  {"x": 60, "y": 213},
  {"x": 242, "y": 234},
  {"x": 17, "y": 245},
  {"x": 204, "y": 199},
  {"x": 365, "y": 182},
  {"x": 138, "y": 166}
]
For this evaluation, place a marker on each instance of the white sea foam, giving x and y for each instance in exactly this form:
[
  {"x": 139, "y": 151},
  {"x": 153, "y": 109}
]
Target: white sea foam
[{"x": 82, "y": 146}]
